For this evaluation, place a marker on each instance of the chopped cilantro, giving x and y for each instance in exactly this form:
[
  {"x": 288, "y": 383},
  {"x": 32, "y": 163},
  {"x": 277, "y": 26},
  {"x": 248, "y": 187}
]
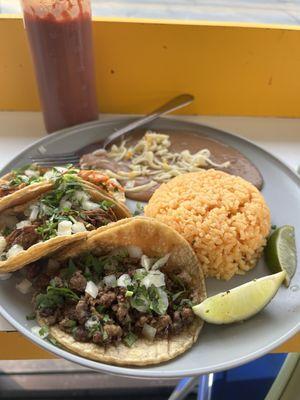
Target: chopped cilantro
[
  {"x": 95, "y": 328},
  {"x": 53, "y": 341},
  {"x": 68, "y": 272},
  {"x": 44, "y": 330},
  {"x": 87, "y": 274},
  {"x": 31, "y": 317},
  {"x": 70, "y": 323},
  {"x": 177, "y": 295},
  {"x": 48, "y": 230},
  {"x": 100, "y": 308},
  {"x": 158, "y": 300},
  {"x": 65, "y": 292},
  {"x": 140, "y": 300},
  {"x": 106, "y": 205},
  {"x": 50, "y": 204},
  {"x": 93, "y": 263},
  {"x": 54, "y": 297},
  {"x": 151, "y": 299},
  {"x": 130, "y": 339},
  {"x": 6, "y": 231},
  {"x": 106, "y": 318},
  {"x": 44, "y": 300},
  {"x": 183, "y": 302}
]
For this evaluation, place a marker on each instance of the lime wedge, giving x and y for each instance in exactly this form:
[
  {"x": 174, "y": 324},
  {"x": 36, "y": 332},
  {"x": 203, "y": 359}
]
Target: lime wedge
[
  {"x": 280, "y": 252},
  {"x": 240, "y": 303}
]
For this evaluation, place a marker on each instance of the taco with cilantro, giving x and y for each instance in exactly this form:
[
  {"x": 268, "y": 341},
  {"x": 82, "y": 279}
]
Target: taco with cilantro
[
  {"x": 27, "y": 182},
  {"x": 62, "y": 214},
  {"x": 123, "y": 296}
]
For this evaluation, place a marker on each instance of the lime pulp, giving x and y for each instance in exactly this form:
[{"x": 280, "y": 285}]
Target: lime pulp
[{"x": 241, "y": 302}]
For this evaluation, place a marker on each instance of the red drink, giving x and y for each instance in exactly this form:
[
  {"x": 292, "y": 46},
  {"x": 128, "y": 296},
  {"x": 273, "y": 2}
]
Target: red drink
[{"x": 60, "y": 36}]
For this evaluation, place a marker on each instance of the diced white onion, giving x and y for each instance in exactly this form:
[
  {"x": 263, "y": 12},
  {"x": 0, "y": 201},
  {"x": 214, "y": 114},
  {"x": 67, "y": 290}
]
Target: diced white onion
[
  {"x": 149, "y": 332},
  {"x": 22, "y": 224},
  {"x": 64, "y": 228},
  {"x": 24, "y": 178},
  {"x": 163, "y": 298},
  {"x": 50, "y": 174},
  {"x": 62, "y": 170},
  {"x": 161, "y": 262},
  {"x": 14, "y": 250},
  {"x": 2, "y": 244},
  {"x": 146, "y": 262},
  {"x": 31, "y": 173},
  {"x": 80, "y": 195},
  {"x": 89, "y": 205},
  {"x": 124, "y": 280},
  {"x": 155, "y": 278},
  {"x": 91, "y": 289},
  {"x": 36, "y": 331},
  {"x": 134, "y": 251},
  {"x": 24, "y": 286},
  {"x": 110, "y": 280},
  {"x": 34, "y": 212},
  {"x": 78, "y": 227},
  {"x": 5, "y": 277},
  {"x": 65, "y": 204}
]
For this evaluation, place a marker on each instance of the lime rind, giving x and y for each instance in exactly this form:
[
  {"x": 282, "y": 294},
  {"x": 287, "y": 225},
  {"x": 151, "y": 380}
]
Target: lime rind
[
  {"x": 240, "y": 303},
  {"x": 280, "y": 252}
]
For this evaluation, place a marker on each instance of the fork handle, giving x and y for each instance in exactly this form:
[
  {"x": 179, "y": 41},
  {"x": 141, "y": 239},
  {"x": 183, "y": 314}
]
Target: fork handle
[{"x": 171, "y": 105}]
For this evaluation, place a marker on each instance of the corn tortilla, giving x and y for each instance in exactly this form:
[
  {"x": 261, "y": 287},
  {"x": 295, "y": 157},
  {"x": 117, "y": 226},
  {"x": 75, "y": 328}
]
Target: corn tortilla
[
  {"x": 155, "y": 239},
  {"x": 42, "y": 249}
]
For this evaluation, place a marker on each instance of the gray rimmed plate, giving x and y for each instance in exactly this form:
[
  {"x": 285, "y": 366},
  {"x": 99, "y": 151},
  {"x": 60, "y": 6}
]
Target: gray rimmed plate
[{"x": 218, "y": 347}]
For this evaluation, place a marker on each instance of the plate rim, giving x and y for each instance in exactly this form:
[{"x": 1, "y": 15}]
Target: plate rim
[{"x": 136, "y": 371}]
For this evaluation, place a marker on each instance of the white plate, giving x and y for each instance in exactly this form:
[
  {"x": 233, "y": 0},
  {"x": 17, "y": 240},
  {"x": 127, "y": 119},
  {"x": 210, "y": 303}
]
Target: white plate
[{"x": 219, "y": 347}]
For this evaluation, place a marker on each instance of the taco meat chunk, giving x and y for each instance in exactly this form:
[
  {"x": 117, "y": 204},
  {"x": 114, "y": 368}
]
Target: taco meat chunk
[
  {"x": 25, "y": 237},
  {"x": 113, "y": 298},
  {"x": 6, "y": 189}
]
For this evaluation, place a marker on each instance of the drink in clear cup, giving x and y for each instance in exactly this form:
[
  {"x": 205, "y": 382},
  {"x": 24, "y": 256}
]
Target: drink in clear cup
[{"x": 60, "y": 37}]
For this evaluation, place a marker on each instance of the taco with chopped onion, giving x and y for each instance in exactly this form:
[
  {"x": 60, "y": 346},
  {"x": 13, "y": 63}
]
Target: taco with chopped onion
[
  {"x": 65, "y": 213},
  {"x": 123, "y": 296},
  {"x": 31, "y": 180}
]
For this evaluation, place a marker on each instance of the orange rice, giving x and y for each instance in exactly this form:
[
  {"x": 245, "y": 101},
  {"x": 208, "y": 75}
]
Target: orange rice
[{"x": 224, "y": 218}]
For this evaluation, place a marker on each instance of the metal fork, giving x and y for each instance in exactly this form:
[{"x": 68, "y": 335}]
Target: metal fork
[{"x": 47, "y": 160}]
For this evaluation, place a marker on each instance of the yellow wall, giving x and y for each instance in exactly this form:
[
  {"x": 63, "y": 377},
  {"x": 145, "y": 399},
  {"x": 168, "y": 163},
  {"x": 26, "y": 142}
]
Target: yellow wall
[
  {"x": 231, "y": 69},
  {"x": 14, "y": 346}
]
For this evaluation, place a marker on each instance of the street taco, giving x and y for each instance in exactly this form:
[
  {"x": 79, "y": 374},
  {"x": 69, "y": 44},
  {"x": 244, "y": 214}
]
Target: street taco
[
  {"x": 62, "y": 214},
  {"x": 123, "y": 296},
  {"x": 27, "y": 182}
]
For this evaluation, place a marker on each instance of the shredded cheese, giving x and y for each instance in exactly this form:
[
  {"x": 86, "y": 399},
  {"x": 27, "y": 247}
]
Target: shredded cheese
[{"x": 151, "y": 158}]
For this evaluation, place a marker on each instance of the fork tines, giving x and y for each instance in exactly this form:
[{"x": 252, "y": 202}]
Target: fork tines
[{"x": 54, "y": 159}]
